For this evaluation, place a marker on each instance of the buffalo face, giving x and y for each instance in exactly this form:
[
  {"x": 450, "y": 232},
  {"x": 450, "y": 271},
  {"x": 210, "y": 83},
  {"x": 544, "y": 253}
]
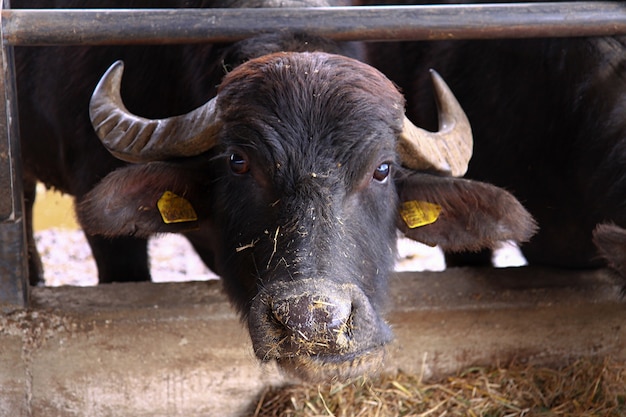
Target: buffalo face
[
  {"x": 294, "y": 174},
  {"x": 307, "y": 208}
]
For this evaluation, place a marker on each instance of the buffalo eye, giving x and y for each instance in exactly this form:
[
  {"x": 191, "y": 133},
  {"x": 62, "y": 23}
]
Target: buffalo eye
[
  {"x": 382, "y": 172},
  {"x": 238, "y": 163}
]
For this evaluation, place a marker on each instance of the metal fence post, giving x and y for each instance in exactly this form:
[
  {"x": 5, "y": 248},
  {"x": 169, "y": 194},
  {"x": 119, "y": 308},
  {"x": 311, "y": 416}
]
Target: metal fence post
[{"x": 13, "y": 248}]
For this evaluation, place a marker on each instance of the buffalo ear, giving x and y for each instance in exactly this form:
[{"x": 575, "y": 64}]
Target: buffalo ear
[
  {"x": 140, "y": 200},
  {"x": 460, "y": 214}
]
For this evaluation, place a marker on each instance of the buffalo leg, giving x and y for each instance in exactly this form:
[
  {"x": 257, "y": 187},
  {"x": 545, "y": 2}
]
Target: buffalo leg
[
  {"x": 35, "y": 267},
  {"x": 120, "y": 259},
  {"x": 610, "y": 240},
  {"x": 480, "y": 258}
]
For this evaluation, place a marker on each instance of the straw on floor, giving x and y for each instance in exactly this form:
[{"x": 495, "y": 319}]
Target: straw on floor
[{"x": 583, "y": 388}]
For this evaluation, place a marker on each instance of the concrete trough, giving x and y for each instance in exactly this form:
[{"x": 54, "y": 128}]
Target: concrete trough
[{"x": 153, "y": 350}]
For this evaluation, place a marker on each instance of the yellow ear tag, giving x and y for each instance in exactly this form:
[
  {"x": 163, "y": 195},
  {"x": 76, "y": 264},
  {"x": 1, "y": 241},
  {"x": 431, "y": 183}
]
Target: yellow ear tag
[
  {"x": 419, "y": 213},
  {"x": 175, "y": 209}
]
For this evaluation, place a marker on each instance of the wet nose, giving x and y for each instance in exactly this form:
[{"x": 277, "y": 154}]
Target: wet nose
[
  {"x": 319, "y": 323},
  {"x": 317, "y": 329}
]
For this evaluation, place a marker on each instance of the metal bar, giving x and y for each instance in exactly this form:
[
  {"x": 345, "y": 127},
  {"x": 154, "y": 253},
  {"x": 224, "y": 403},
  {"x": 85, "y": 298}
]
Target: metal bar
[
  {"x": 160, "y": 26},
  {"x": 14, "y": 288}
]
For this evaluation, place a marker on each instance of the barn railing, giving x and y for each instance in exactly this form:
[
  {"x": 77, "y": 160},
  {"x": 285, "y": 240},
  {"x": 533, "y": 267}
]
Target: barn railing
[
  {"x": 145, "y": 26},
  {"x": 105, "y": 27}
]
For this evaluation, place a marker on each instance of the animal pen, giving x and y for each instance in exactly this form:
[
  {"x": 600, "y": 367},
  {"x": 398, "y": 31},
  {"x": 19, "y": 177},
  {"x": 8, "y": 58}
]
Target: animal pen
[{"x": 179, "y": 349}]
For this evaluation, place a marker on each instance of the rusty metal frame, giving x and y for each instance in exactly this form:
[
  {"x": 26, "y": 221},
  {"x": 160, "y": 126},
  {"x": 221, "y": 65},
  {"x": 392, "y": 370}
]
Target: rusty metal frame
[
  {"x": 159, "y": 26},
  {"x": 432, "y": 22},
  {"x": 14, "y": 290}
]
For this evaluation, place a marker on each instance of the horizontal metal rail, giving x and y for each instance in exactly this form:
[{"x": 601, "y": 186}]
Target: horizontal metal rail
[{"x": 433, "y": 22}]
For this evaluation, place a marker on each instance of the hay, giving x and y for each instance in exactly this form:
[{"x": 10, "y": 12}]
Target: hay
[{"x": 583, "y": 388}]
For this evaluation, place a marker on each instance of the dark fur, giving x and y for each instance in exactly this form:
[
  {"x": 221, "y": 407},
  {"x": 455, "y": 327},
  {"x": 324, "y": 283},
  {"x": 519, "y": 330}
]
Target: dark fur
[
  {"x": 304, "y": 239},
  {"x": 549, "y": 125},
  {"x": 471, "y": 218},
  {"x": 307, "y": 223},
  {"x": 59, "y": 147}
]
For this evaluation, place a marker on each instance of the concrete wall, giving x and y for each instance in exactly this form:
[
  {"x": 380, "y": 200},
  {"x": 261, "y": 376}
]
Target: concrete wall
[{"x": 180, "y": 350}]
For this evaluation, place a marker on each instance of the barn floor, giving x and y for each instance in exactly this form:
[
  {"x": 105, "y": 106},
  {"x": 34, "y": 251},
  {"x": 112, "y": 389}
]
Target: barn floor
[
  {"x": 178, "y": 349},
  {"x": 584, "y": 387}
]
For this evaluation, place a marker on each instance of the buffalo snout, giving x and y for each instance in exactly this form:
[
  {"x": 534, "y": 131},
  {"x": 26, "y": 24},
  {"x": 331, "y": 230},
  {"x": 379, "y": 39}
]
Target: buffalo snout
[
  {"x": 317, "y": 329},
  {"x": 315, "y": 323}
]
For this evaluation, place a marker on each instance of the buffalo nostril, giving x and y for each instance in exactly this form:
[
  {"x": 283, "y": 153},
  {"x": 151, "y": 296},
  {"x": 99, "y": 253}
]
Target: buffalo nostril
[
  {"x": 320, "y": 322},
  {"x": 317, "y": 329}
]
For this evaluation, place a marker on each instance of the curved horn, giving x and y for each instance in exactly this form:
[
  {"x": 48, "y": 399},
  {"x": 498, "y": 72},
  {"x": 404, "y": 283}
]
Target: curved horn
[
  {"x": 135, "y": 139},
  {"x": 449, "y": 149}
]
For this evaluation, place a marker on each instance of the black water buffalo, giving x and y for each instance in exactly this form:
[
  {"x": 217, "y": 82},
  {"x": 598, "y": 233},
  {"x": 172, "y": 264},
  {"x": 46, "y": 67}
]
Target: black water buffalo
[
  {"x": 59, "y": 146},
  {"x": 293, "y": 178},
  {"x": 290, "y": 182},
  {"x": 548, "y": 117}
]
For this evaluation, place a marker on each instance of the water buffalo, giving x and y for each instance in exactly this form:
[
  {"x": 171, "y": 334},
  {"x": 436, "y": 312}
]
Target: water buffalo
[
  {"x": 290, "y": 181},
  {"x": 294, "y": 178},
  {"x": 549, "y": 126},
  {"x": 59, "y": 147}
]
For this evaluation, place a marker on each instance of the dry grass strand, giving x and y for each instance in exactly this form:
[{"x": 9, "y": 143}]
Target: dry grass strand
[{"x": 584, "y": 388}]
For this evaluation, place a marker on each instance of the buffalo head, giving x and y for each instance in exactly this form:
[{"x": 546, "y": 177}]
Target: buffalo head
[{"x": 293, "y": 178}]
